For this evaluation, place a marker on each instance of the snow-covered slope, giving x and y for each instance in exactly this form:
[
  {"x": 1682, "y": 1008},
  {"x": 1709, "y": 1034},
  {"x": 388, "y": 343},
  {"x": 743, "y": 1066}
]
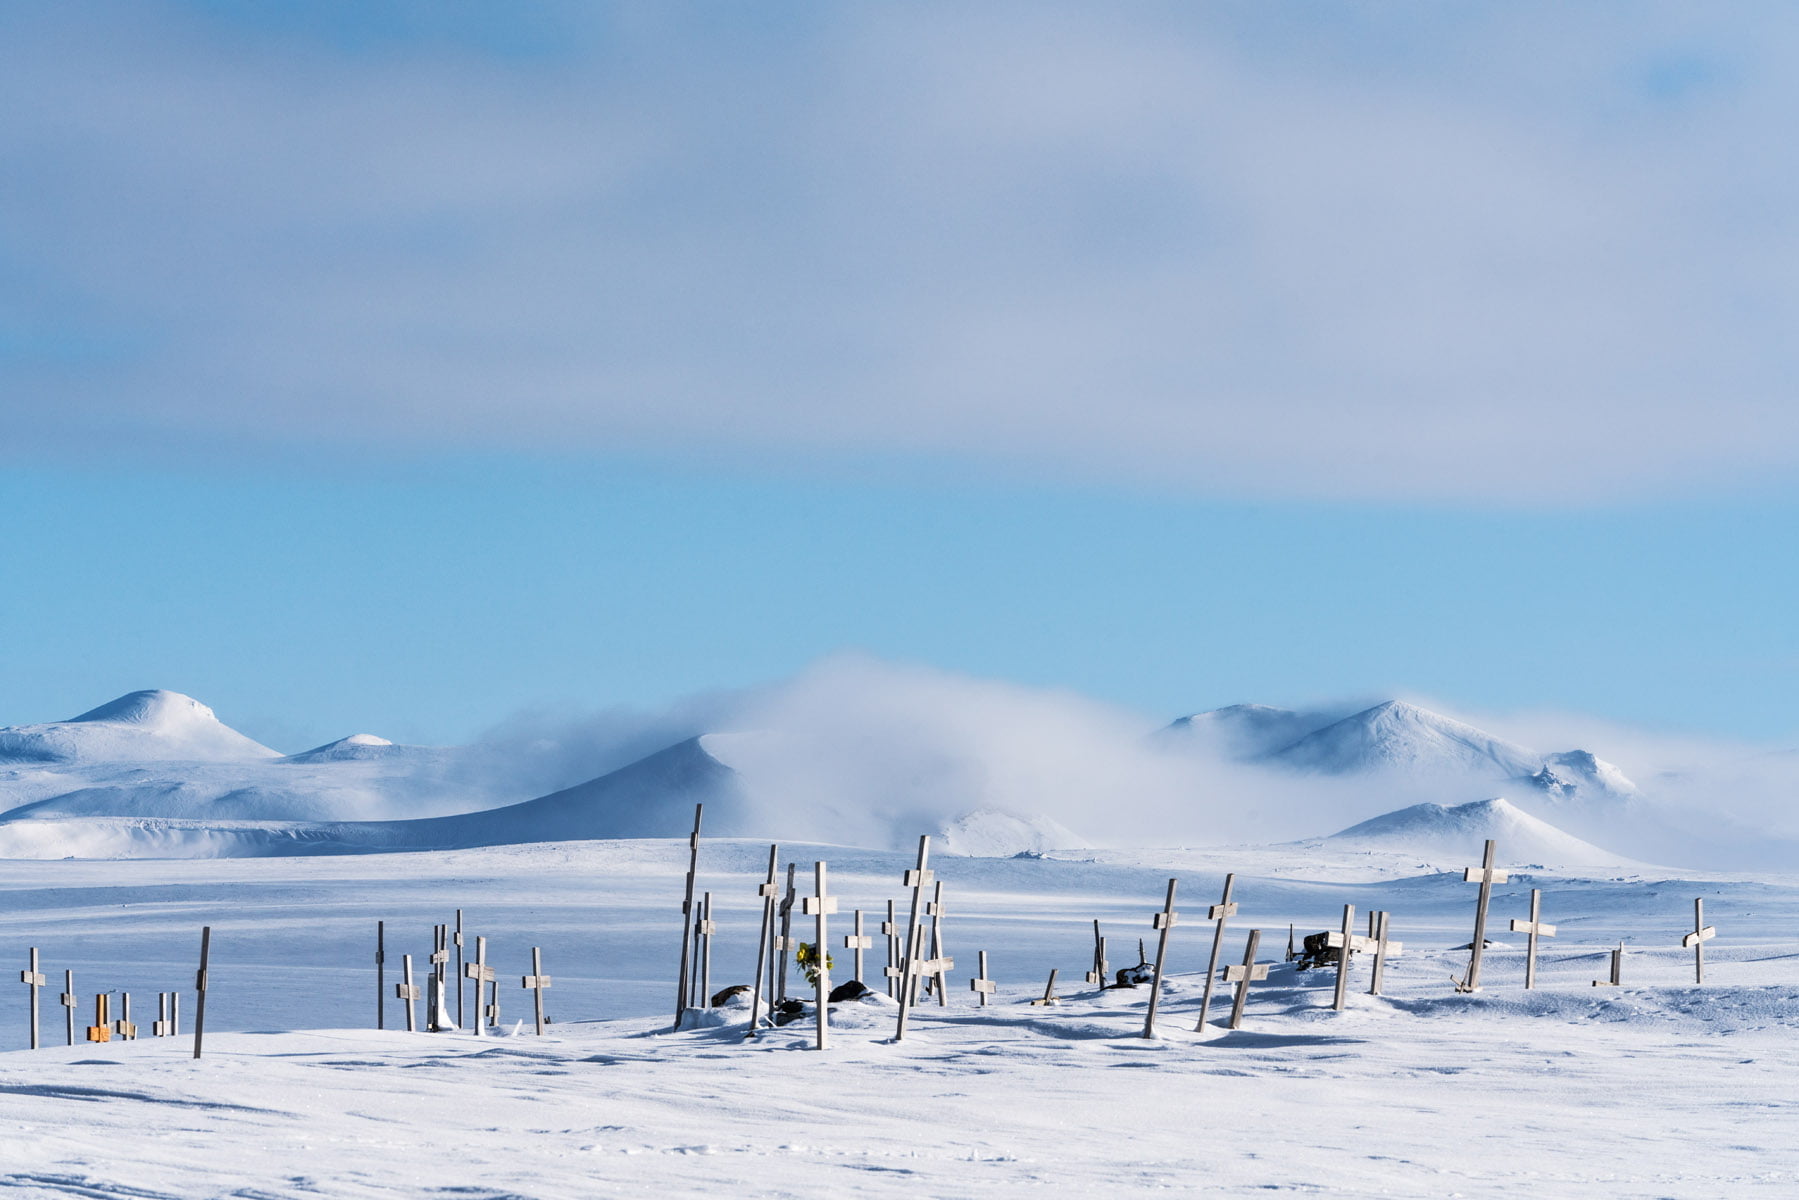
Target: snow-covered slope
[
  {"x": 992, "y": 834},
  {"x": 1403, "y": 737},
  {"x": 1242, "y": 731},
  {"x": 1435, "y": 830},
  {"x": 149, "y": 726}
]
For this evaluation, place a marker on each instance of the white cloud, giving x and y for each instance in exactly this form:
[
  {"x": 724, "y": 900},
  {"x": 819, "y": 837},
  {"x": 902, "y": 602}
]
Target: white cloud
[{"x": 1512, "y": 254}]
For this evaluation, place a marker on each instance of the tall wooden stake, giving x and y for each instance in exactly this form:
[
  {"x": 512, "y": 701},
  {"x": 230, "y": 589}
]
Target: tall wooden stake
[
  {"x": 200, "y": 989},
  {"x": 1533, "y": 929},
  {"x": 785, "y": 944},
  {"x": 1164, "y": 921},
  {"x": 693, "y": 865},
  {"x": 380, "y": 974},
  {"x": 461, "y": 973},
  {"x": 1220, "y": 912},
  {"x": 707, "y": 929},
  {"x": 68, "y": 1003},
  {"x": 767, "y": 891},
  {"x": 917, "y": 879},
  {"x": 33, "y": 979}
]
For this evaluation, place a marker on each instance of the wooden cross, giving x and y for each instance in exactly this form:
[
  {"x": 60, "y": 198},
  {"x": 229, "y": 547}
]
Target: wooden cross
[
  {"x": 1164, "y": 921},
  {"x": 536, "y": 982},
  {"x": 769, "y": 891},
  {"x": 1617, "y": 979},
  {"x": 33, "y": 979},
  {"x": 890, "y": 930},
  {"x": 1533, "y": 929},
  {"x": 981, "y": 985},
  {"x": 1249, "y": 972},
  {"x": 784, "y": 942},
  {"x": 1346, "y": 942},
  {"x": 1098, "y": 974},
  {"x": 123, "y": 1027},
  {"x": 200, "y": 989},
  {"x": 380, "y": 974},
  {"x": 163, "y": 1027},
  {"x": 918, "y": 879},
  {"x": 461, "y": 972},
  {"x": 1486, "y": 876},
  {"x": 101, "y": 1029},
  {"x": 822, "y": 905},
  {"x": 937, "y": 911},
  {"x": 1290, "y": 953},
  {"x": 1702, "y": 933},
  {"x": 481, "y": 973},
  {"x": 682, "y": 1000},
  {"x": 706, "y": 928},
  {"x": 409, "y": 992},
  {"x": 1220, "y": 912},
  {"x": 1384, "y": 948},
  {"x": 436, "y": 1010},
  {"x": 1049, "y": 991},
  {"x": 67, "y": 999},
  {"x": 859, "y": 942}
]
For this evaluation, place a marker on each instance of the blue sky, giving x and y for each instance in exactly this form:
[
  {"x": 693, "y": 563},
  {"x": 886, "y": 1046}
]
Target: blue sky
[{"x": 399, "y": 367}]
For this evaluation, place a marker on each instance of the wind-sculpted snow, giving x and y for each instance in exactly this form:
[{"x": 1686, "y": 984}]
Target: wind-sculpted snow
[
  {"x": 1435, "y": 829},
  {"x": 149, "y": 726}
]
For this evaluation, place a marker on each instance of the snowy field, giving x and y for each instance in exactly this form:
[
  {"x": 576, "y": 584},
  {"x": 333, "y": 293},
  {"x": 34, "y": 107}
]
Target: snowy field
[{"x": 1657, "y": 1089}]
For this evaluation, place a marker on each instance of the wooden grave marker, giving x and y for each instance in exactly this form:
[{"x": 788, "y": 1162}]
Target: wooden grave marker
[
  {"x": 162, "y": 1027},
  {"x": 101, "y": 1029},
  {"x": 1384, "y": 948},
  {"x": 1486, "y": 876},
  {"x": 481, "y": 973},
  {"x": 785, "y": 944},
  {"x": 380, "y": 974},
  {"x": 1533, "y": 929},
  {"x": 200, "y": 981},
  {"x": 461, "y": 973},
  {"x": 706, "y": 928},
  {"x": 1049, "y": 992},
  {"x": 768, "y": 890},
  {"x": 1250, "y": 971},
  {"x": 535, "y": 983},
  {"x": 939, "y": 960},
  {"x": 68, "y": 1002},
  {"x": 1346, "y": 942},
  {"x": 409, "y": 992},
  {"x": 1097, "y": 975},
  {"x": 859, "y": 942},
  {"x": 1220, "y": 913},
  {"x": 1702, "y": 933},
  {"x": 918, "y": 878},
  {"x": 33, "y": 979},
  {"x": 682, "y": 1000},
  {"x": 890, "y": 930},
  {"x": 821, "y": 906},
  {"x": 123, "y": 1027},
  {"x": 1163, "y": 921},
  {"x": 981, "y": 985},
  {"x": 1617, "y": 979}
]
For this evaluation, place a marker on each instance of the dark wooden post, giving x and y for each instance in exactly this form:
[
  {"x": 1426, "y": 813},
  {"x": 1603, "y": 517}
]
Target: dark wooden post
[
  {"x": 764, "y": 960},
  {"x": 200, "y": 990},
  {"x": 682, "y": 999}
]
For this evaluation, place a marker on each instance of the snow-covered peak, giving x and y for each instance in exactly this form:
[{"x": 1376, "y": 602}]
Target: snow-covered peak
[
  {"x": 1243, "y": 730},
  {"x": 1396, "y": 736},
  {"x": 151, "y": 725},
  {"x": 358, "y": 747},
  {"x": 1436, "y": 830}
]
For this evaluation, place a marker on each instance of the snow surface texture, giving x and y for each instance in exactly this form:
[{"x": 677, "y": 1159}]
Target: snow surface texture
[{"x": 1658, "y": 1089}]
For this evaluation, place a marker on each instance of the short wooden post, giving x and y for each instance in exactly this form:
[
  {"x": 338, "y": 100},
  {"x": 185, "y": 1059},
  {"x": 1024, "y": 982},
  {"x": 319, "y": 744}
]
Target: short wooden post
[
  {"x": 380, "y": 974},
  {"x": 1221, "y": 913},
  {"x": 1244, "y": 975},
  {"x": 822, "y": 905},
  {"x": 682, "y": 1000},
  {"x": 1049, "y": 991},
  {"x": 1702, "y": 933},
  {"x": 162, "y": 1028},
  {"x": 1617, "y": 976},
  {"x": 481, "y": 973},
  {"x": 1486, "y": 876},
  {"x": 537, "y": 981},
  {"x": 123, "y": 1027},
  {"x": 1533, "y": 929},
  {"x": 1097, "y": 976},
  {"x": 917, "y": 879},
  {"x": 33, "y": 979},
  {"x": 200, "y": 989},
  {"x": 174, "y": 1014},
  {"x": 981, "y": 985},
  {"x": 67, "y": 999},
  {"x": 768, "y": 891},
  {"x": 859, "y": 942},
  {"x": 1164, "y": 921},
  {"x": 1384, "y": 947},
  {"x": 101, "y": 1029},
  {"x": 409, "y": 992},
  {"x": 1347, "y": 942}
]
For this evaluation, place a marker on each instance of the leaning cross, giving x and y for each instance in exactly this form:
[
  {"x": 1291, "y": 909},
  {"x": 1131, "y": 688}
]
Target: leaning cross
[
  {"x": 1249, "y": 972},
  {"x": 1049, "y": 991},
  {"x": 682, "y": 1000},
  {"x": 409, "y": 992},
  {"x": 1164, "y": 921},
  {"x": 858, "y": 941},
  {"x": 1346, "y": 943},
  {"x": 768, "y": 891},
  {"x": 1384, "y": 948},
  {"x": 981, "y": 984},
  {"x": 937, "y": 911},
  {"x": 33, "y": 979},
  {"x": 821, "y": 905},
  {"x": 1702, "y": 933},
  {"x": 1486, "y": 876},
  {"x": 918, "y": 879},
  {"x": 536, "y": 981},
  {"x": 1534, "y": 928},
  {"x": 481, "y": 973},
  {"x": 1220, "y": 912}
]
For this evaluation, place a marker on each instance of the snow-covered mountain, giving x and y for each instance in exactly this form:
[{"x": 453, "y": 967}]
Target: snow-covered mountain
[
  {"x": 1242, "y": 731},
  {"x": 1397, "y": 736},
  {"x": 148, "y": 726},
  {"x": 1436, "y": 830}
]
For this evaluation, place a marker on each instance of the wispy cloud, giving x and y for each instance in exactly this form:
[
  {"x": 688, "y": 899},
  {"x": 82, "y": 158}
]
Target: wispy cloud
[{"x": 1509, "y": 254}]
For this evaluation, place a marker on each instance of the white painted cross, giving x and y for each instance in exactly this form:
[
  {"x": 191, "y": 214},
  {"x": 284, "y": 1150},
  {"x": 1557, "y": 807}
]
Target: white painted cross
[
  {"x": 1250, "y": 971},
  {"x": 1220, "y": 912},
  {"x": 1486, "y": 876},
  {"x": 409, "y": 992},
  {"x": 1534, "y": 928},
  {"x": 536, "y": 982},
  {"x": 1384, "y": 948},
  {"x": 1702, "y": 933},
  {"x": 123, "y": 1027},
  {"x": 821, "y": 905},
  {"x": 918, "y": 879},
  {"x": 1164, "y": 921},
  {"x": 1049, "y": 991},
  {"x": 1346, "y": 942},
  {"x": 1617, "y": 979},
  {"x": 481, "y": 973},
  {"x": 859, "y": 942},
  {"x": 981, "y": 985},
  {"x": 33, "y": 979},
  {"x": 769, "y": 890},
  {"x": 67, "y": 999}
]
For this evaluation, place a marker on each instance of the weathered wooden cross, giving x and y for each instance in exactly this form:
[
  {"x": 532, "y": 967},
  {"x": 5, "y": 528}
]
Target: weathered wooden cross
[
  {"x": 437, "y": 1012},
  {"x": 682, "y": 1000},
  {"x": 123, "y": 1027},
  {"x": 200, "y": 989},
  {"x": 859, "y": 942},
  {"x": 981, "y": 985},
  {"x": 481, "y": 973},
  {"x": 1486, "y": 876},
  {"x": 461, "y": 972},
  {"x": 1220, "y": 912},
  {"x": 768, "y": 890},
  {"x": 1702, "y": 933},
  {"x": 163, "y": 1026},
  {"x": 1049, "y": 991},
  {"x": 821, "y": 905},
  {"x": 918, "y": 879},
  {"x": 536, "y": 982},
  {"x": 785, "y": 942},
  {"x": 33, "y": 979},
  {"x": 67, "y": 999},
  {"x": 705, "y": 928},
  {"x": 1245, "y": 974},
  {"x": 101, "y": 1029},
  {"x": 938, "y": 959},
  {"x": 1384, "y": 948},
  {"x": 1164, "y": 921},
  {"x": 1097, "y": 975},
  {"x": 890, "y": 930},
  {"x": 380, "y": 974},
  {"x": 1346, "y": 942},
  {"x": 1617, "y": 979},
  {"x": 409, "y": 992},
  {"x": 1533, "y": 929}
]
